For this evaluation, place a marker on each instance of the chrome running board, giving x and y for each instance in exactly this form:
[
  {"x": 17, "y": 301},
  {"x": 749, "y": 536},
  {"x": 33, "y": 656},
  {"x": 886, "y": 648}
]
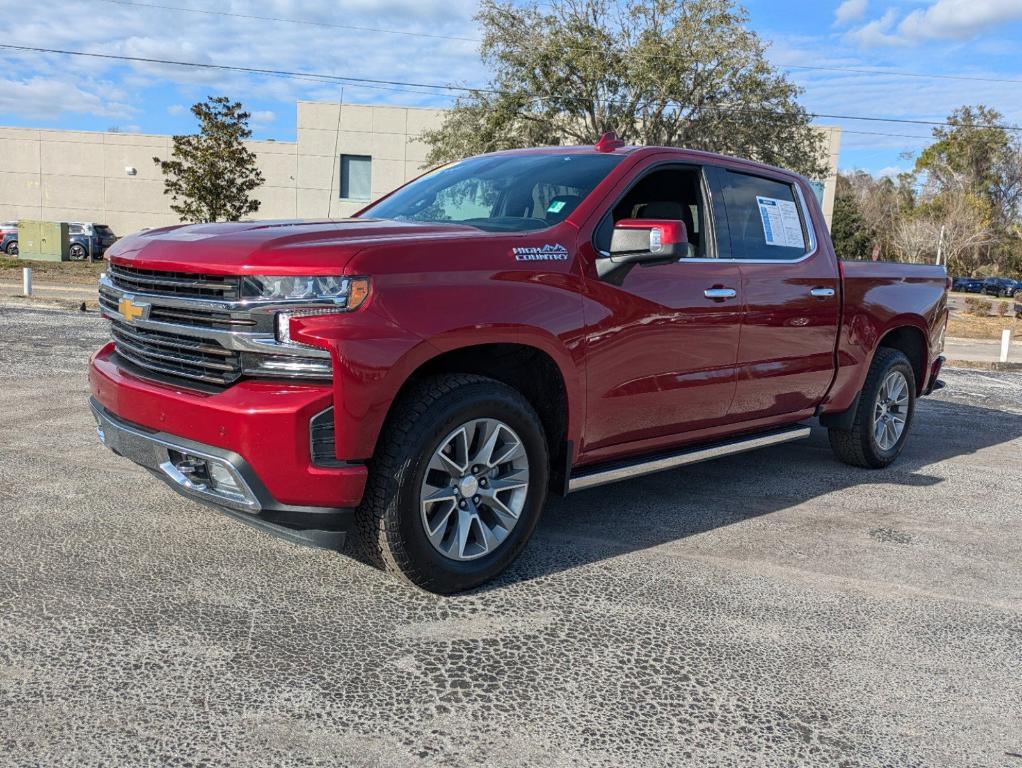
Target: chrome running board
[{"x": 590, "y": 477}]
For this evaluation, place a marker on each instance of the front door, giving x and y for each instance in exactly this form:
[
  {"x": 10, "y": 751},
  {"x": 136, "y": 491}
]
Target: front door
[{"x": 660, "y": 353}]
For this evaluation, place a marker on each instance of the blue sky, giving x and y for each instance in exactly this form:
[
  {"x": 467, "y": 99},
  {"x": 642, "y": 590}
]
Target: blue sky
[{"x": 960, "y": 47}]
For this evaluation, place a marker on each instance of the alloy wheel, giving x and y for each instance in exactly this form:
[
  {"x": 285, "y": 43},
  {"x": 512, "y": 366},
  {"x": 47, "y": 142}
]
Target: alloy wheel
[
  {"x": 474, "y": 490},
  {"x": 890, "y": 413}
]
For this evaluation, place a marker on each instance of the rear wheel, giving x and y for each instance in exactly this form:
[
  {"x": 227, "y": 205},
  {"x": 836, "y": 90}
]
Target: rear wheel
[
  {"x": 78, "y": 252},
  {"x": 457, "y": 484},
  {"x": 883, "y": 416},
  {"x": 12, "y": 248}
]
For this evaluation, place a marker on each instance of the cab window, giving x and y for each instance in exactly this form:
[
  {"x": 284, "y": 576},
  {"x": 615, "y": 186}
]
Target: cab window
[
  {"x": 671, "y": 193},
  {"x": 764, "y": 216}
]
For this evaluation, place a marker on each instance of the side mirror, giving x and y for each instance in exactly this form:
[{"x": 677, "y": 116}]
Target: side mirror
[{"x": 644, "y": 241}]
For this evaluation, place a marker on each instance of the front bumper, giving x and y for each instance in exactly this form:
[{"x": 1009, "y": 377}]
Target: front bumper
[
  {"x": 248, "y": 500},
  {"x": 257, "y": 432}
]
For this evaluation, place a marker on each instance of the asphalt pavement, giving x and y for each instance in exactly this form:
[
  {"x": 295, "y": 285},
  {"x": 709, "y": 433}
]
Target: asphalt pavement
[{"x": 775, "y": 608}]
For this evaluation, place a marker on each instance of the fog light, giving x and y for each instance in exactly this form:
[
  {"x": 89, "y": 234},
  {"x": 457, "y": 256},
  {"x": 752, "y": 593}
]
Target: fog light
[{"x": 223, "y": 479}]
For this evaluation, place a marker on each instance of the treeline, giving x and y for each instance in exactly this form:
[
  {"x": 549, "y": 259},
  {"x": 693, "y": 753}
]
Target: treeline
[{"x": 963, "y": 197}]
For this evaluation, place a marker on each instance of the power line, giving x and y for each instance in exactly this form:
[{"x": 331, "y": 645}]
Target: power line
[
  {"x": 902, "y": 73},
  {"x": 321, "y": 77},
  {"x": 647, "y": 55},
  {"x": 370, "y": 82},
  {"x": 895, "y": 135}
]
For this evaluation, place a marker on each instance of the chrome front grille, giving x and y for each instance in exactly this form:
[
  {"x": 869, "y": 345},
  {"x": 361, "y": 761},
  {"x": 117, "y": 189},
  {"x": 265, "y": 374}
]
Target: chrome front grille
[
  {"x": 212, "y": 340},
  {"x": 188, "y": 315},
  {"x": 175, "y": 354},
  {"x": 184, "y": 284}
]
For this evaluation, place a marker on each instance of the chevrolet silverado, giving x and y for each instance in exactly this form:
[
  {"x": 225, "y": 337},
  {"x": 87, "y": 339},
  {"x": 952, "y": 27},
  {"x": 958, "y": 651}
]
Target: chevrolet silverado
[{"x": 420, "y": 376}]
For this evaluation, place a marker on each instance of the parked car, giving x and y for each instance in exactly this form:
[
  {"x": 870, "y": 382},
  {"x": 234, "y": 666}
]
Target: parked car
[
  {"x": 1001, "y": 287},
  {"x": 9, "y": 238},
  {"x": 86, "y": 238},
  {"x": 533, "y": 321},
  {"x": 967, "y": 285},
  {"x": 83, "y": 238}
]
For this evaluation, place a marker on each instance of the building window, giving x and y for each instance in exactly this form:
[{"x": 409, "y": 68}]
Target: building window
[{"x": 356, "y": 177}]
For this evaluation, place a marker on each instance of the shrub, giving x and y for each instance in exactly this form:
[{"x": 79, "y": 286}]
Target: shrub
[
  {"x": 977, "y": 306},
  {"x": 1003, "y": 307}
]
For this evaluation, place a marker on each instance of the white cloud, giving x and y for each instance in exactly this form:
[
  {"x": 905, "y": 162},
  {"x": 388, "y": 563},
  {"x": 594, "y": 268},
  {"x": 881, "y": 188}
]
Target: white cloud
[
  {"x": 940, "y": 20},
  {"x": 262, "y": 118},
  {"x": 176, "y": 109},
  {"x": 958, "y": 19},
  {"x": 321, "y": 46},
  {"x": 849, "y": 11},
  {"x": 43, "y": 97},
  {"x": 877, "y": 32},
  {"x": 890, "y": 172}
]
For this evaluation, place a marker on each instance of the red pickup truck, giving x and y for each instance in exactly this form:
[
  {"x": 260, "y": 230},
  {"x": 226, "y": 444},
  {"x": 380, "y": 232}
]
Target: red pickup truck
[{"x": 420, "y": 376}]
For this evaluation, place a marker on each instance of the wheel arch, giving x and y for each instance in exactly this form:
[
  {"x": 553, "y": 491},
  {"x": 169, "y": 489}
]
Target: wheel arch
[
  {"x": 904, "y": 335},
  {"x": 528, "y": 369},
  {"x": 910, "y": 340}
]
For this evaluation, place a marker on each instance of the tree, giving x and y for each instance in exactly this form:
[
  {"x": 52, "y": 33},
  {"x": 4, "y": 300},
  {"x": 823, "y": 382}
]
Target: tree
[
  {"x": 658, "y": 72},
  {"x": 210, "y": 175},
  {"x": 968, "y": 231},
  {"x": 883, "y": 202},
  {"x": 976, "y": 155},
  {"x": 852, "y": 235},
  {"x": 913, "y": 240}
]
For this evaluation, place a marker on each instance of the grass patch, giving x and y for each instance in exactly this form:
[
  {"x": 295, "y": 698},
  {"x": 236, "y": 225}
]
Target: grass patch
[
  {"x": 963, "y": 326},
  {"x": 56, "y": 272}
]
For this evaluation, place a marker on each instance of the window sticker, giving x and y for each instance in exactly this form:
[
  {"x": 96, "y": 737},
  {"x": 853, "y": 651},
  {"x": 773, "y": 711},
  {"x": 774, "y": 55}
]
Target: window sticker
[
  {"x": 781, "y": 224},
  {"x": 556, "y": 206}
]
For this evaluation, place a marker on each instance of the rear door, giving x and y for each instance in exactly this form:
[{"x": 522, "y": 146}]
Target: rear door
[{"x": 791, "y": 295}]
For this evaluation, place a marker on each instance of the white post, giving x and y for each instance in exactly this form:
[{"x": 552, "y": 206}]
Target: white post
[
  {"x": 1005, "y": 344},
  {"x": 26, "y": 281}
]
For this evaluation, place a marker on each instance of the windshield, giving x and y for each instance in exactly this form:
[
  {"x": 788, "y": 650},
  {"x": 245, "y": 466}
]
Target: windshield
[{"x": 508, "y": 193}]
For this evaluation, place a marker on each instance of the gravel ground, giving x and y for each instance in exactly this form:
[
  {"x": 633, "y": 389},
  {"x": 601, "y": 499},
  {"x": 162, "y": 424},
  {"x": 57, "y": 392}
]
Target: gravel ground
[{"x": 775, "y": 608}]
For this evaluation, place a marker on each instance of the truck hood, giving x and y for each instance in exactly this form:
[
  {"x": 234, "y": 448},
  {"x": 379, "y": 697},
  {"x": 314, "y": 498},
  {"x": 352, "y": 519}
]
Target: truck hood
[{"x": 270, "y": 247}]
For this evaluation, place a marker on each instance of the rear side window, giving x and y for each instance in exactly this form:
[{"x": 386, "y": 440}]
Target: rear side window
[{"x": 765, "y": 218}]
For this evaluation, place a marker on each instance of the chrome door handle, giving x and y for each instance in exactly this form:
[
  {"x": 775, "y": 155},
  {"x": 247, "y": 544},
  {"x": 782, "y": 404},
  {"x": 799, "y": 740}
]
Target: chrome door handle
[
  {"x": 720, "y": 293},
  {"x": 822, "y": 293}
]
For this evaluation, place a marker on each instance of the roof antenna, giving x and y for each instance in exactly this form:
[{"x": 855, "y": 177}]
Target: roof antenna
[{"x": 609, "y": 142}]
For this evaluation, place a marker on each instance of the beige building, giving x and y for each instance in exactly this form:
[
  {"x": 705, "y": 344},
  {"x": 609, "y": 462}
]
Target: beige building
[{"x": 345, "y": 156}]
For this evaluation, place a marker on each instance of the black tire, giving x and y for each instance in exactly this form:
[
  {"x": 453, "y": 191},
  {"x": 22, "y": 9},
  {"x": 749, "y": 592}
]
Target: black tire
[
  {"x": 858, "y": 446},
  {"x": 78, "y": 252},
  {"x": 389, "y": 527},
  {"x": 12, "y": 248}
]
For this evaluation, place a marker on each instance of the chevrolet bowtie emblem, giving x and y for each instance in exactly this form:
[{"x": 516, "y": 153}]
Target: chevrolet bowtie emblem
[{"x": 131, "y": 311}]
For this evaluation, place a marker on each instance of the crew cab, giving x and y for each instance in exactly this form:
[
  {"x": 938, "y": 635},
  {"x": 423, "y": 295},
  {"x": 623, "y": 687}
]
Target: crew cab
[{"x": 419, "y": 377}]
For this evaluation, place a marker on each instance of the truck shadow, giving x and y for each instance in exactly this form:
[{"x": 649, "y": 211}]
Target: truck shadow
[{"x": 615, "y": 520}]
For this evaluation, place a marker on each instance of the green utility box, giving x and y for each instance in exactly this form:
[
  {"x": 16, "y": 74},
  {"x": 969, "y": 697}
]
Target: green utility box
[{"x": 43, "y": 240}]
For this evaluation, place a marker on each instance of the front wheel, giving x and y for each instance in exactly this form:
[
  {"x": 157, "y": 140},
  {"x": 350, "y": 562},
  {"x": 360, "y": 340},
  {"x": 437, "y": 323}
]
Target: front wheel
[
  {"x": 457, "y": 484},
  {"x": 12, "y": 248},
  {"x": 78, "y": 252},
  {"x": 883, "y": 416}
]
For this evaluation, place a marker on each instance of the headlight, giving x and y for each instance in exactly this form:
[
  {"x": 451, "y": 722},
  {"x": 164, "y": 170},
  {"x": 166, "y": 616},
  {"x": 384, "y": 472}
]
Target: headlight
[
  {"x": 342, "y": 290},
  {"x": 325, "y": 295}
]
